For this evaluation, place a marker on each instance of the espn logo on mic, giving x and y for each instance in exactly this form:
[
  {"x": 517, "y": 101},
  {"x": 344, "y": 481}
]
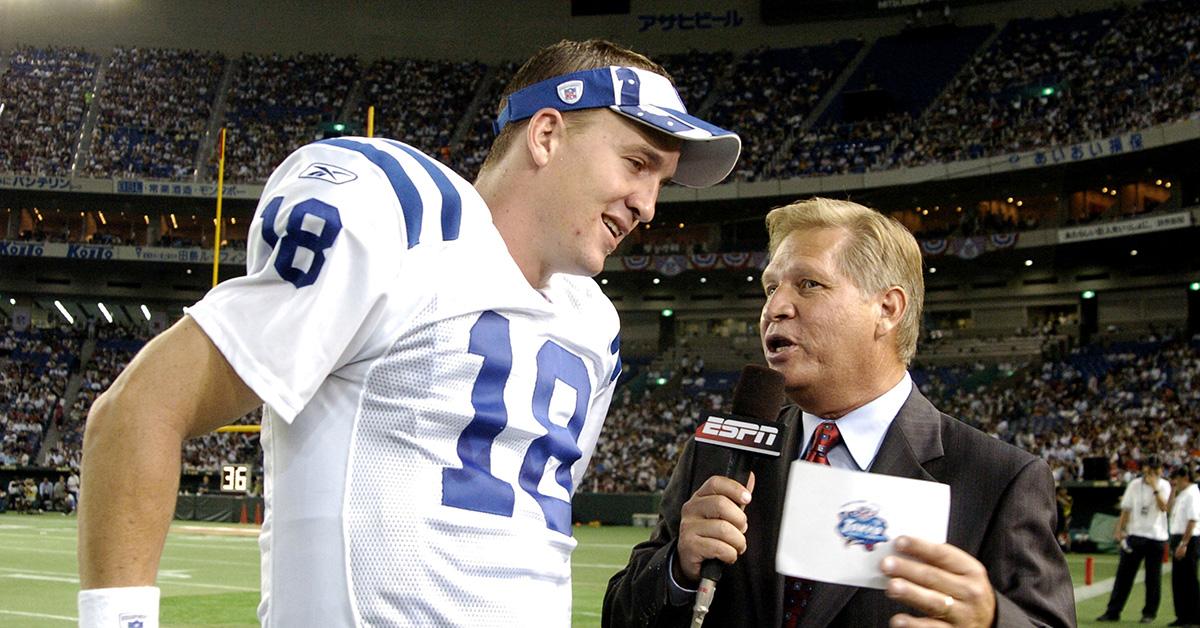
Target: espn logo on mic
[{"x": 738, "y": 433}]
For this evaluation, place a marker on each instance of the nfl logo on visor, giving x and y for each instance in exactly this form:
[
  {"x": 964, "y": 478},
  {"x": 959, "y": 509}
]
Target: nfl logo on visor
[{"x": 570, "y": 91}]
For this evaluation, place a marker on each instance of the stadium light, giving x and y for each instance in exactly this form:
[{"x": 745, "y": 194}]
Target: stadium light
[
  {"x": 1195, "y": 287},
  {"x": 1133, "y": 252},
  {"x": 932, "y": 269},
  {"x": 62, "y": 310},
  {"x": 1047, "y": 91},
  {"x": 668, "y": 312},
  {"x": 604, "y": 282},
  {"x": 104, "y": 311},
  {"x": 1029, "y": 262},
  {"x": 1089, "y": 294},
  {"x": 656, "y": 281},
  {"x": 704, "y": 280},
  {"x": 145, "y": 311},
  {"x": 339, "y": 127},
  {"x": 660, "y": 381},
  {"x": 14, "y": 301},
  {"x": 749, "y": 277}
]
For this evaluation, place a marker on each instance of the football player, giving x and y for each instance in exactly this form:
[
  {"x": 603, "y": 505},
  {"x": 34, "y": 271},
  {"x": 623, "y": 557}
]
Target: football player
[{"x": 434, "y": 360}]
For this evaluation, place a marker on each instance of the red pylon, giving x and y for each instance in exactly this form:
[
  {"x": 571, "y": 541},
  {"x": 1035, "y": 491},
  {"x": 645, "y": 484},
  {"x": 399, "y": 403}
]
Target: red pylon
[
  {"x": 257, "y": 513},
  {"x": 243, "y": 519}
]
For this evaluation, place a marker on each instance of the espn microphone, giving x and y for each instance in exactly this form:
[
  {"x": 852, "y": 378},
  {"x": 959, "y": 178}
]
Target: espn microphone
[{"x": 726, "y": 444}]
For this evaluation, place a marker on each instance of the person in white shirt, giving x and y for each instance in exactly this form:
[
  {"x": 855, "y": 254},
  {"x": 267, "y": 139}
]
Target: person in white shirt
[
  {"x": 1185, "y": 519},
  {"x": 1142, "y": 532},
  {"x": 434, "y": 360}
]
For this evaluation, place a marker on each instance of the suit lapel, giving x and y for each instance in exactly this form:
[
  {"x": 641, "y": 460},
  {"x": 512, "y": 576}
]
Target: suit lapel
[{"x": 914, "y": 438}]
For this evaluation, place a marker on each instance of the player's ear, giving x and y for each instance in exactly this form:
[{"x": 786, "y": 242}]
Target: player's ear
[{"x": 544, "y": 135}]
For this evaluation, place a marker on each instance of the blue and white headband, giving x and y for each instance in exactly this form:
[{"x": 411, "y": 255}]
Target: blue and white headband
[{"x": 708, "y": 153}]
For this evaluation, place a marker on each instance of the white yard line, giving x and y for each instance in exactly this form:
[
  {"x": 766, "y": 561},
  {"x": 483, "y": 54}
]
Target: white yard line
[
  {"x": 1096, "y": 589},
  {"x": 39, "y": 615}
]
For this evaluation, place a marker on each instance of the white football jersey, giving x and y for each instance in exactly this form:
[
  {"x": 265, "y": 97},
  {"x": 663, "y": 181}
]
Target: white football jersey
[{"x": 428, "y": 412}]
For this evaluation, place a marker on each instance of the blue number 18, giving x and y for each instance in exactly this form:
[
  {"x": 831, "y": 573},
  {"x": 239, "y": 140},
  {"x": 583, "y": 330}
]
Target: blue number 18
[{"x": 473, "y": 487}]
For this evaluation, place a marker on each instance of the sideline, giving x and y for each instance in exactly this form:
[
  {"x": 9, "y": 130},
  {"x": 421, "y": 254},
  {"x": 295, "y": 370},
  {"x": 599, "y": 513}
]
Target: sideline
[{"x": 1096, "y": 589}]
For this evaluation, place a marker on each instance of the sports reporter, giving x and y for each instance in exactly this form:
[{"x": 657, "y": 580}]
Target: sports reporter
[
  {"x": 844, "y": 293},
  {"x": 406, "y": 331}
]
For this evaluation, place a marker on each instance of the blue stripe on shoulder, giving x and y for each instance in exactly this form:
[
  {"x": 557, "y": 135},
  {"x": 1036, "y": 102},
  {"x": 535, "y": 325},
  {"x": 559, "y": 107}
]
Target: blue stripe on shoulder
[
  {"x": 402, "y": 185},
  {"x": 451, "y": 201},
  {"x": 615, "y": 349}
]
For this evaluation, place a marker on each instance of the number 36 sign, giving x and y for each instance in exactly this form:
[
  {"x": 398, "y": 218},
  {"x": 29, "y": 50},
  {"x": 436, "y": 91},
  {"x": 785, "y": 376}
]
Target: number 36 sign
[{"x": 235, "y": 478}]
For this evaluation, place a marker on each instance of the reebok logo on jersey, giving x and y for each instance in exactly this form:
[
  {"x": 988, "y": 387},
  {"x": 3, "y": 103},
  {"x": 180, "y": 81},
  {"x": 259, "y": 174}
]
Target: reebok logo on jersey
[
  {"x": 325, "y": 172},
  {"x": 570, "y": 91}
]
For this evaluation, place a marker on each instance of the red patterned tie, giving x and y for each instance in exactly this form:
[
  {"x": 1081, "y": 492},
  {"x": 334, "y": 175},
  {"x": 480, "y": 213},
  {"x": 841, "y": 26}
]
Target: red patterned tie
[{"x": 796, "y": 591}]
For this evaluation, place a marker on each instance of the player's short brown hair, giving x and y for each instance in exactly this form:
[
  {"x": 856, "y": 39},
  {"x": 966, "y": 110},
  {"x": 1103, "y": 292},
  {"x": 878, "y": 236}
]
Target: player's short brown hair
[
  {"x": 557, "y": 59},
  {"x": 879, "y": 254}
]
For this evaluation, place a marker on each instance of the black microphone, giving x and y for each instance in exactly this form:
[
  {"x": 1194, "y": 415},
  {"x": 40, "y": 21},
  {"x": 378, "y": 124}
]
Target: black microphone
[{"x": 725, "y": 444}]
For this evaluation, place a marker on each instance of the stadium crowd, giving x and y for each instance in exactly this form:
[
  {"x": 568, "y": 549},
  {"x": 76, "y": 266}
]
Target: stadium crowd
[
  {"x": 153, "y": 111},
  {"x": 45, "y": 92},
  {"x": 770, "y": 93},
  {"x": 473, "y": 149},
  {"x": 1040, "y": 83},
  {"x": 1121, "y": 402},
  {"x": 34, "y": 369},
  {"x": 276, "y": 104},
  {"x": 420, "y": 102}
]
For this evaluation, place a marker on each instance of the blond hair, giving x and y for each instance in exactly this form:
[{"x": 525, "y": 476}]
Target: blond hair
[
  {"x": 557, "y": 59},
  {"x": 879, "y": 254}
]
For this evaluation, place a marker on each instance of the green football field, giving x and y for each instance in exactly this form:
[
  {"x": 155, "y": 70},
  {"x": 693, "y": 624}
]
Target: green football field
[{"x": 209, "y": 574}]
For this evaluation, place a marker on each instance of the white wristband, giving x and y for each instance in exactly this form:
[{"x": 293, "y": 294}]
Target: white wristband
[{"x": 119, "y": 607}]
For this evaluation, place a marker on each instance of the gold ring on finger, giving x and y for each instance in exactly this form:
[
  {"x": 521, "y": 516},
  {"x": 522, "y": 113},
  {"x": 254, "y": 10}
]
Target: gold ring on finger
[{"x": 949, "y": 604}]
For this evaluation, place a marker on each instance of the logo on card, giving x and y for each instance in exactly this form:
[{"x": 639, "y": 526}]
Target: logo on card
[
  {"x": 570, "y": 91},
  {"x": 127, "y": 620},
  {"x": 859, "y": 523},
  {"x": 326, "y": 172}
]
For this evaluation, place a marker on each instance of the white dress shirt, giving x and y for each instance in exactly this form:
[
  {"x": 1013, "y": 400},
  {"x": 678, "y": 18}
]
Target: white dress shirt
[
  {"x": 1186, "y": 508},
  {"x": 862, "y": 429},
  {"x": 1145, "y": 519}
]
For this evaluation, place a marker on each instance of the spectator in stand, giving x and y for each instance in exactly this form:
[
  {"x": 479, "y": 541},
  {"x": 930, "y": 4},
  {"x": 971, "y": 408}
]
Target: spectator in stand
[{"x": 60, "y": 496}]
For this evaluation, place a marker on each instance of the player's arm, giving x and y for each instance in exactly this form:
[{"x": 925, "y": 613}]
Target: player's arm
[{"x": 178, "y": 386}]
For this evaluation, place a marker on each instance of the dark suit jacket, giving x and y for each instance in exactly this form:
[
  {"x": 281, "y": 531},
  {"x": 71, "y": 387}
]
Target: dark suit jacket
[{"x": 1001, "y": 512}]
